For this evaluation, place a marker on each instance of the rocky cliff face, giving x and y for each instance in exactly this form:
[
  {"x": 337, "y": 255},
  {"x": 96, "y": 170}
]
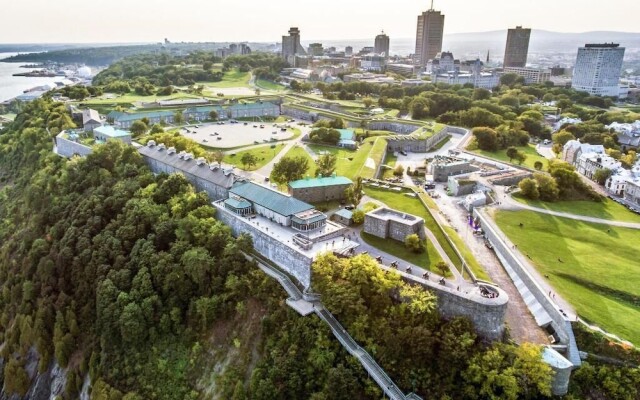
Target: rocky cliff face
[{"x": 44, "y": 386}]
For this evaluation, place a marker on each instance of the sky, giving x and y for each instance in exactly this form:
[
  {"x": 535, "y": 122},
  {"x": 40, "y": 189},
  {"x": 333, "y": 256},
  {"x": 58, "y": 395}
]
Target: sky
[{"x": 121, "y": 21}]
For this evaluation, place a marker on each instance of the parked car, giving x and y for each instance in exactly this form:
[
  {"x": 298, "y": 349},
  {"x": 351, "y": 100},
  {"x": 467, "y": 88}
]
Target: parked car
[{"x": 404, "y": 153}]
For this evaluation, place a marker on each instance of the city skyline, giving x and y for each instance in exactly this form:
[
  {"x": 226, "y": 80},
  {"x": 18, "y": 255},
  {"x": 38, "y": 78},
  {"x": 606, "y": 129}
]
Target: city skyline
[{"x": 191, "y": 20}]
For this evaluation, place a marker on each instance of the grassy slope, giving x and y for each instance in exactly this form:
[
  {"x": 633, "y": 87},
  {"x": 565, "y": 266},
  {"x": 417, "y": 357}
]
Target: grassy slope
[
  {"x": 231, "y": 79},
  {"x": 426, "y": 260},
  {"x": 264, "y": 154},
  {"x": 268, "y": 85},
  {"x": 351, "y": 163},
  {"x": 599, "y": 272},
  {"x": 501, "y": 155},
  {"x": 608, "y": 209}
]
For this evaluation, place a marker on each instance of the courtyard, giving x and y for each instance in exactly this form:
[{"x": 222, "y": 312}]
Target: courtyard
[{"x": 228, "y": 136}]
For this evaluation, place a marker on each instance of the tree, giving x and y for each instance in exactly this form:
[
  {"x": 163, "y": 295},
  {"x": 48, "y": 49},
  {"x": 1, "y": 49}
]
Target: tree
[
  {"x": 443, "y": 267},
  {"x": 487, "y": 138},
  {"x": 358, "y": 217},
  {"x": 547, "y": 187},
  {"x": 367, "y": 101},
  {"x": 511, "y": 79},
  {"x": 326, "y": 164},
  {"x": 512, "y": 152},
  {"x": 218, "y": 156},
  {"x": 399, "y": 170},
  {"x": 601, "y": 175},
  {"x": 290, "y": 169},
  {"x": 520, "y": 157},
  {"x": 157, "y": 128},
  {"x": 529, "y": 189},
  {"x": 414, "y": 243},
  {"x": 213, "y": 115},
  {"x": 354, "y": 193},
  {"x": 178, "y": 118},
  {"x": 562, "y": 137},
  {"x": 248, "y": 159},
  {"x": 538, "y": 165},
  {"x": 138, "y": 128}
]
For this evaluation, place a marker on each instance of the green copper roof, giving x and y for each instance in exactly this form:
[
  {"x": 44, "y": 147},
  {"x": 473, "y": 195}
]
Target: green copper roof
[
  {"x": 319, "y": 182},
  {"x": 344, "y": 213},
  {"x": 270, "y": 199},
  {"x": 347, "y": 134},
  {"x": 110, "y": 131},
  {"x": 237, "y": 204}
]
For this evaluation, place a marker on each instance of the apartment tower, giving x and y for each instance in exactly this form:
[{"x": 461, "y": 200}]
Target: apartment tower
[
  {"x": 429, "y": 36},
  {"x": 598, "y": 68},
  {"x": 381, "y": 45},
  {"x": 291, "y": 46},
  {"x": 515, "y": 54}
]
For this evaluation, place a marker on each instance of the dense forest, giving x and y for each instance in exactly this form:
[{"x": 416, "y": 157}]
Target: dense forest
[
  {"x": 101, "y": 56},
  {"x": 127, "y": 278}
]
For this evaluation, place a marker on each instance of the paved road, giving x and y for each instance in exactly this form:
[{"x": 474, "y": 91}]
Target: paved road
[{"x": 522, "y": 325}]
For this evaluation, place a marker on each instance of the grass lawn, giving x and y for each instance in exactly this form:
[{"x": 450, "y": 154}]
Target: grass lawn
[
  {"x": 131, "y": 98},
  {"x": 231, "y": 79},
  {"x": 608, "y": 209},
  {"x": 441, "y": 143},
  {"x": 264, "y": 154},
  {"x": 390, "y": 161},
  {"x": 351, "y": 163},
  {"x": 268, "y": 85},
  {"x": 426, "y": 260},
  {"x": 529, "y": 150},
  {"x": 299, "y": 151},
  {"x": 599, "y": 272},
  {"x": 412, "y": 205}
]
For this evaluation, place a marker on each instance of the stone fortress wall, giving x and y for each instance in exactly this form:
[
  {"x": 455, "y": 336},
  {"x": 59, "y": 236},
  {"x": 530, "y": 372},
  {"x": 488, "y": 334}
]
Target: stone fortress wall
[{"x": 282, "y": 254}]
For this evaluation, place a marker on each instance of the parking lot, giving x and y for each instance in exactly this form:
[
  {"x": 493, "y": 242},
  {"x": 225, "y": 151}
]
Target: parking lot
[{"x": 229, "y": 135}]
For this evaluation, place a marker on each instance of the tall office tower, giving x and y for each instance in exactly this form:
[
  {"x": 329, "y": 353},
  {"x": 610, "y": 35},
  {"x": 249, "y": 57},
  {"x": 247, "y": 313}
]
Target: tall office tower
[
  {"x": 381, "y": 45},
  {"x": 429, "y": 35},
  {"x": 598, "y": 68},
  {"x": 515, "y": 54},
  {"x": 316, "y": 49},
  {"x": 291, "y": 46},
  {"x": 348, "y": 51}
]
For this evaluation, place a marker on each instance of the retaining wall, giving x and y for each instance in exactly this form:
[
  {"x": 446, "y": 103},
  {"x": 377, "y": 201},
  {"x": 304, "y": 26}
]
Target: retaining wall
[
  {"x": 487, "y": 314},
  {"x": 559, "y": 322},
  {"x": 68, "y": 148},
  {"x": 283, "y": 255}
]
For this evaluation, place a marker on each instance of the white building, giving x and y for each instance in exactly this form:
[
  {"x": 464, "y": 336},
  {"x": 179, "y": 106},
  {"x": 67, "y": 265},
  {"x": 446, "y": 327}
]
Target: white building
[
  {"x": 483, "y": 80},
  {"x": 598, "y": 68},
  {"x": 628, "y": 134},
  {"x": 558, "y": 125},
  {"x": 530, "y": 75},
  {"x": 573, "y": 149},
  {"x": 589, "y": 163}
]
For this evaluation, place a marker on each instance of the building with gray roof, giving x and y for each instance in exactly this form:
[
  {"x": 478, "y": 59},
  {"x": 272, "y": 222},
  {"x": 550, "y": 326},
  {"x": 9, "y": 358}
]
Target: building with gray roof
[
  {"x": 90, "y": 120},
  {"x": 206, "y": 177}
]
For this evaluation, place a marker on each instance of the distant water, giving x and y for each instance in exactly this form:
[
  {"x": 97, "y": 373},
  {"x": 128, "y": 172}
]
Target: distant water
[{"x": 12, "y": 86}]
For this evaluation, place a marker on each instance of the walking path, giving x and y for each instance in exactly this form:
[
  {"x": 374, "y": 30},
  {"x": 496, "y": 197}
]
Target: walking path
[
  {"x": 388, "y": 386},
  {"x": 508, "y": 203}
]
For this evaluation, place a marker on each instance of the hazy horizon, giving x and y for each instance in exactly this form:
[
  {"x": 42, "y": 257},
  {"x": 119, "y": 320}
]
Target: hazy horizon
[{"x": 120, "y": 21}]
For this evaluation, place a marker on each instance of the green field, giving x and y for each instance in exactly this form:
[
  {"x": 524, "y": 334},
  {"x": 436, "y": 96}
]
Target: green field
[
  {"x": 529, "y": 150},
  {"x": 351, "y": 163},
  {"x": 412, "y": 205},
  {"x": 593, "y": 266},
  {"x": 264, "y": 153},
  {"x": 426, "y": 260},
  {"x": 268, "y": 85},
  {"x": 131, "y": 98},
  {"x": 231, "y": 79},
  {"x": 389, "y": 161},
  {"x": 608, "y": 209}
]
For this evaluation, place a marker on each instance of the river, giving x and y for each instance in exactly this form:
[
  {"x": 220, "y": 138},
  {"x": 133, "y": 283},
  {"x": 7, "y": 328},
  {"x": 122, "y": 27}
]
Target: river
[{"x": 12, "y": 86}]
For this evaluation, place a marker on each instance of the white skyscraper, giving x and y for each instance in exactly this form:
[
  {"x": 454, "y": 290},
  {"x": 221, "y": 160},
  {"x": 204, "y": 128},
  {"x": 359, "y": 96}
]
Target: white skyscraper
[{"x": 598, "y": 69}]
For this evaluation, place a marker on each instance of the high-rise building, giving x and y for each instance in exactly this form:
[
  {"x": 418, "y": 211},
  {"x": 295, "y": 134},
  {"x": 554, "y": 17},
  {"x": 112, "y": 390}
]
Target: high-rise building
[
  {"x": 348, "y": 51},
  {"x": 598, "y": 68},
  {"x": 291, "y": 46},
  {"x": 316, "y": 49},
  {"x": 515, "y": 54},
  {"x": 429, "y": 35},
  {"x": 381, "y": 45}
]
